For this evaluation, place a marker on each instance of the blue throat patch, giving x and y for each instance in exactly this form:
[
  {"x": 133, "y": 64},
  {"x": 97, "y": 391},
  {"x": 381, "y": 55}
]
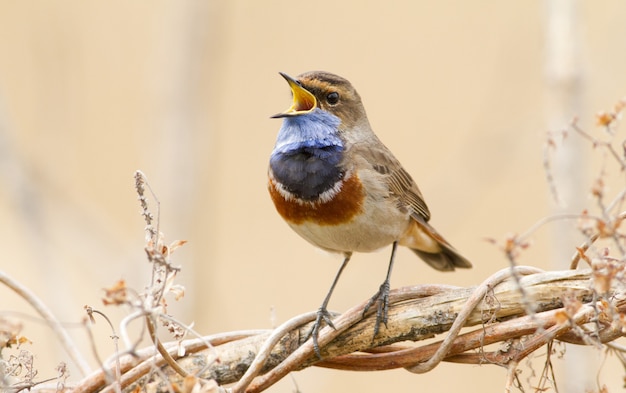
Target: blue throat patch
[{"x": 306, "y": 157}]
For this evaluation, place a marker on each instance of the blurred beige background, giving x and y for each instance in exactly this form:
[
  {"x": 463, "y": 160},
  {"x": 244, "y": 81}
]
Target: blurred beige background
[{"x": 462, "y": 92}]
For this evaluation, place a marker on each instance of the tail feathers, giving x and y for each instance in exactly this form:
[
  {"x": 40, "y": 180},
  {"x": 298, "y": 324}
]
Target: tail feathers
[
  {"x": 446, "y": 260},
  {"x": 430, "y": 246}
]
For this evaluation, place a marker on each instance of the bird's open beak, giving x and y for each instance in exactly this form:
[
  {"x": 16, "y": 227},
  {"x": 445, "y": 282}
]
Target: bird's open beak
[{"x": 303, "y": 100}]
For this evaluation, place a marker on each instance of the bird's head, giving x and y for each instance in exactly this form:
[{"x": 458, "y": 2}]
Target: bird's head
[{"x": 327, "y": 92}]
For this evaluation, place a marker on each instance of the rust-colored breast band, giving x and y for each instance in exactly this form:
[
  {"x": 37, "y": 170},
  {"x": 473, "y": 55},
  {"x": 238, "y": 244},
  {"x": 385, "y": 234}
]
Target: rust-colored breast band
[{"x": 347, "y": 203}]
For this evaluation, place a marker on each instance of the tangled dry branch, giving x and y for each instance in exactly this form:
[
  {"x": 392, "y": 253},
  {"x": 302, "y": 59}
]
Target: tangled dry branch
[
  {"x": 509, "y": 316},
  {"x": 568, "y": 308}
]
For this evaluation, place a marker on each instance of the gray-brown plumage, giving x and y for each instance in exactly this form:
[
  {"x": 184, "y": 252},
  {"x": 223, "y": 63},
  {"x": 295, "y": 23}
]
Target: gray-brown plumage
[{"x": 340, "y": 188}]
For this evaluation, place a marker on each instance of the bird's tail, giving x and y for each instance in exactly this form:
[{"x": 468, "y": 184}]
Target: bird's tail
[
  {"x": 446, "y": 260},
  {"x": 432, "y": 248}
]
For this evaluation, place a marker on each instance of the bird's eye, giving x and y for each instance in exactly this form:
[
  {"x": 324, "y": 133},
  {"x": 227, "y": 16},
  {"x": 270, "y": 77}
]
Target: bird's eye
[{"x": 332, "y": 98}]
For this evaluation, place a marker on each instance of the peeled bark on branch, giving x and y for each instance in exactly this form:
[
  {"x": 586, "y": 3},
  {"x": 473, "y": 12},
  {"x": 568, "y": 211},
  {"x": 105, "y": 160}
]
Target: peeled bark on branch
[{"x": 562, "y": 303}]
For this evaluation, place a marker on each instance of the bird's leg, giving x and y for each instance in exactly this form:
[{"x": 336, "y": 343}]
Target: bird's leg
[
  {"x": 322, "y": 312},
  {"x": 382, "y": 296}
]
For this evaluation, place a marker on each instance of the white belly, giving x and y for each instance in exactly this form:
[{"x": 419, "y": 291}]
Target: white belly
[{"x": 367, "y": 232}]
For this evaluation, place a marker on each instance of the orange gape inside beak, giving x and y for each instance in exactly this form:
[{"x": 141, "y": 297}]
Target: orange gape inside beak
[{"x": 303, "y": 100}]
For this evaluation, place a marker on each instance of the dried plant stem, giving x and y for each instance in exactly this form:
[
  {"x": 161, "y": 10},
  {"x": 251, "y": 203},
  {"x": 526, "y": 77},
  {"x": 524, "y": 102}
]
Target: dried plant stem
[
  {"x": 415, "y": 313},
  {"x": 265, "y": 350},
  {"x": 118, "y": 375},
  {"x": 164, "y": 353},
  {"x": 51, "y": 320},
  {"x": 138, "y": 364}
]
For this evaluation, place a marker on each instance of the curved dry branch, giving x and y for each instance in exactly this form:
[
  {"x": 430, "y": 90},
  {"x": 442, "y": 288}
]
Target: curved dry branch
[
  {"x": 565, "y": 305},
  {"x": 56, "y": 326}
]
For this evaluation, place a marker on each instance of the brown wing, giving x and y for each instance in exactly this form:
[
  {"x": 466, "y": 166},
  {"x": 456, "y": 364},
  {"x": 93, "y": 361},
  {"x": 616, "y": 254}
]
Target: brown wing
[
  {"x": 399, "y": 181},
  {"x": 437, "y": 252}
]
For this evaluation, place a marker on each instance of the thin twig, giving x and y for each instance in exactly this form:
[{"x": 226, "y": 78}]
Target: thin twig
[
  {"x": 471, "y": 304},
  {"x": 151, "y": 360},
  {"x": 511, "y": 375},
  {"x": 56, "y": 326},
  {"x": 118, "y": 372},
  {"x": 265, "y": 350},
  {"x": 164, "y": 353},
  {"x": 130, "y": 346},
  {"x": 597, "y": 142}
]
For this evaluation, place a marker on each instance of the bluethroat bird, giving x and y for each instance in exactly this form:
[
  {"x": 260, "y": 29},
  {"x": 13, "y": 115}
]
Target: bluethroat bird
[{"x": 336, "y": 184}]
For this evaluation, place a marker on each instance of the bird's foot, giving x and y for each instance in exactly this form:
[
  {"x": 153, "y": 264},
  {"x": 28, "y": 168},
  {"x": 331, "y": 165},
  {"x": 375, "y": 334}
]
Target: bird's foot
[
  {"x": 381, "y": 298},
  {"x": 323, "y": 316}
]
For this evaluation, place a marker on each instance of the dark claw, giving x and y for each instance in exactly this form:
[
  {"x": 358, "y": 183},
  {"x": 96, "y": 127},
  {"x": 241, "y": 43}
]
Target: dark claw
[
  {"x": 322, "y": 316},
  {"x": 381, "y": 298}
]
